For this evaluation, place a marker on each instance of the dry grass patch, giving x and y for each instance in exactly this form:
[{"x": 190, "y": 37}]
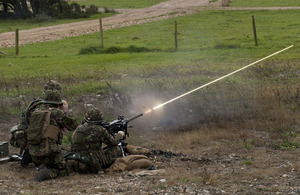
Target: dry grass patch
[
  {"x": 189, "y": 142},
  {"x": 200, "y": 176}
]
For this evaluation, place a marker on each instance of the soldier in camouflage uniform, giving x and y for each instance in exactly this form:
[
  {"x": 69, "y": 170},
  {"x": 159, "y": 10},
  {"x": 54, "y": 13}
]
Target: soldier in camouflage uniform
[
  {"x": 18, "y": 136},
  {"x": 51, "y": 85},
  {"x": 88, "y": 156},
  {"x": 47, "y": 153}
]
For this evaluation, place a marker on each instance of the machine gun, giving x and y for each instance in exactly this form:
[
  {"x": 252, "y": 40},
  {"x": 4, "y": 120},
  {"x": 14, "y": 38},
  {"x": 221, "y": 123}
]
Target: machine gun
[{"x": 120, "y": 124}]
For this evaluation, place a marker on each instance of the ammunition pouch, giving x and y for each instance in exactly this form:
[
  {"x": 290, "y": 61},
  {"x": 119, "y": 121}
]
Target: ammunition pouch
[{"x": 52, "y": 132}]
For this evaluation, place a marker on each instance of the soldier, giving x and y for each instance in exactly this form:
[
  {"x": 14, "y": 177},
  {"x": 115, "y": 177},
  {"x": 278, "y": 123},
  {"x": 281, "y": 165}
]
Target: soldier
[
  {"x": 46, "y": 124},
  {"x": 18, "y": 137},
  {"x": 87, "y": 154}
]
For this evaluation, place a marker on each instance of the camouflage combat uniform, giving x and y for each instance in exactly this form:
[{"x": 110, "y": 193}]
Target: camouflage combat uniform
[
  {"x": 87, "y": 142},
  {"x": 48, "y": 152}
]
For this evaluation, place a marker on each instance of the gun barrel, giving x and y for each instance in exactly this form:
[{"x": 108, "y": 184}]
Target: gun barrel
[{"x": 137, "y": 116}]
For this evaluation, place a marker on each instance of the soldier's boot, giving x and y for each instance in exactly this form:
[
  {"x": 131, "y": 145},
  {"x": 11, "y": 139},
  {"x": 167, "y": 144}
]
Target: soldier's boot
[
  {"x": 26, "y": 159},
  {"x": 151, "y": 167},
  {"x": 42, "y": 166},
  {"x": 44, "y": 174}
]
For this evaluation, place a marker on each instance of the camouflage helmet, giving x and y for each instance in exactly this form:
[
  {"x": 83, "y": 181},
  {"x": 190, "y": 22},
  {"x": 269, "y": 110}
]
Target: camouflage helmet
[
  {"x": 93, "y": 115},
  {"x": 17, "y": 137},
  {"x": 52, "y": 85},
  {"x": 52, "y": 95}
]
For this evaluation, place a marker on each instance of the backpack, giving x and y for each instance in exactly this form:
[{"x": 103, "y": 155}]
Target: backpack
[
  {"x": 18, "y": 133},
  {"x": 40, "y": 128}
]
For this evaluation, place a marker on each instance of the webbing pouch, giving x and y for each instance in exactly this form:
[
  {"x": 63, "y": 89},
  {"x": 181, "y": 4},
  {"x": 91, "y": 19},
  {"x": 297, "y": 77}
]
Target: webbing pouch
[{"x": 52, "y": 132}]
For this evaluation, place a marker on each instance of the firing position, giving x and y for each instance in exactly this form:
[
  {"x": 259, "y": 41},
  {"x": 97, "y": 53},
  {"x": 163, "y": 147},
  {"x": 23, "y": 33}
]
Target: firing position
[{"x": 87, "y": 154}]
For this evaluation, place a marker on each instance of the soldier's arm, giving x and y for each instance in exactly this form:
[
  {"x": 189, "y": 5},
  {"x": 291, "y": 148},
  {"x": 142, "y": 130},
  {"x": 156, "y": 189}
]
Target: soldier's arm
[
  {"x": 69, "y": 122},
  {"x": 110, "y": 140},
  {"x": 65, "y": 120}
]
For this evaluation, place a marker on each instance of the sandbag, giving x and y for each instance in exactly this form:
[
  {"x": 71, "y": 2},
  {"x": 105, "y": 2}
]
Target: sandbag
[
  {"x": 130, "y": 162},
  {"x": 137, "y": 150}
]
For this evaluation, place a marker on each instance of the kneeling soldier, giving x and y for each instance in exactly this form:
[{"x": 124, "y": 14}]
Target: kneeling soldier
[{"x": 87, "y": 154}]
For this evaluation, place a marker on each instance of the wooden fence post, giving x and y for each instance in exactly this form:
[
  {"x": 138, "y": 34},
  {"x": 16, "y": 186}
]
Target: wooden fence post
[
  {"x": 101, "y": 32},
  {"x": 176, "y": 43},
  {"x": 17, "y": 42},
  {"x": 254, "y": 31}
]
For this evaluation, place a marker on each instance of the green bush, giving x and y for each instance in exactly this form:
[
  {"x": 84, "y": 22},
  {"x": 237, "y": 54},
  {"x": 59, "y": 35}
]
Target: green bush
[
  {"x": 64, "y": 10},
  {"x": 107, "y": 10},
  {"x": 40, "y": 18}
]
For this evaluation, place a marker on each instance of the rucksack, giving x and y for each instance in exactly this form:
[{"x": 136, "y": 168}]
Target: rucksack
[
  {"x": 18, "y": 134},
  {"x": 40, "y": 128}
]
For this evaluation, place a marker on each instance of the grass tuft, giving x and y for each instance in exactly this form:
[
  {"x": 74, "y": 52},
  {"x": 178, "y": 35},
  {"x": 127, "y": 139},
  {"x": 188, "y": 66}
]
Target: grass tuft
[
  {"x": 288, "y": 145},
  {"x": 116, "y": 49},
  {"x": 221, "y": 45}
]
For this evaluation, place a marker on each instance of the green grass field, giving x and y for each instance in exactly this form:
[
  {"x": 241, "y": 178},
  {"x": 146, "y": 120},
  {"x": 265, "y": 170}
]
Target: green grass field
[
  {"x": 217, "y": 39},
  {"x": 11, "y": 25},
  {"x": 265, "y": 3}
]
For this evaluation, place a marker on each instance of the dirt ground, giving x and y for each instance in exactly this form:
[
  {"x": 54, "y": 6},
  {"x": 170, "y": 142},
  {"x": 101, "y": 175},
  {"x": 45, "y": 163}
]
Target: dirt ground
[
  {"x": 216, "y": 159},
  {"x": 247, "y": 163},
  {"x": 217, "y": 166}
]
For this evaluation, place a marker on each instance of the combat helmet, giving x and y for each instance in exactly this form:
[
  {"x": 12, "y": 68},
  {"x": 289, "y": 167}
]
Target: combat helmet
[
  {"x": 52, "y": 95},
  {"x": 52, "y": 85},
  {"x": 93, "y": 115}
]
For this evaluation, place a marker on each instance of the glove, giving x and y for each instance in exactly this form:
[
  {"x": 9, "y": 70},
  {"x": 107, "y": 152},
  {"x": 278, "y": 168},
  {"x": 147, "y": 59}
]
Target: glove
[{"x": 122, "y": 133}]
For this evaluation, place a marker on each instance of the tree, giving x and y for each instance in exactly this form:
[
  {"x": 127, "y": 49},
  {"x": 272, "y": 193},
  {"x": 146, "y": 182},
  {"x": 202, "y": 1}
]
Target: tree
[
  {"x": 52, "y": 8},
  {"x": 14, "y": 8}
]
